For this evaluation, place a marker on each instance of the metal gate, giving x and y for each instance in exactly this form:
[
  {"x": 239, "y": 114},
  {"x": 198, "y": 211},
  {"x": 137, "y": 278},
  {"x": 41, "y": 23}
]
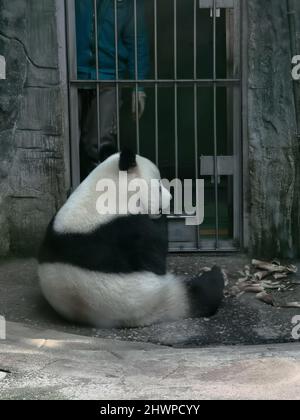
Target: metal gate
[{"x": 192, "y": 124}]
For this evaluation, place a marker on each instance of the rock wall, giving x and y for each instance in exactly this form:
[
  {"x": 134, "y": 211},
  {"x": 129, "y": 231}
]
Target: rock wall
[
  {"x": 294, "y": 14},
  {"x": 272, "y": 130},
  {"x": 32, "y": 182}
]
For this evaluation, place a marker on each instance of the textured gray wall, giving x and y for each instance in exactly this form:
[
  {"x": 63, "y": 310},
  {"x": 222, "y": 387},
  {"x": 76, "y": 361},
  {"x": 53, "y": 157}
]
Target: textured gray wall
[
  {"x": 273, "y": 145},
  {"x": 31, "y": 124},
  {"x": 294, "y": 13}
]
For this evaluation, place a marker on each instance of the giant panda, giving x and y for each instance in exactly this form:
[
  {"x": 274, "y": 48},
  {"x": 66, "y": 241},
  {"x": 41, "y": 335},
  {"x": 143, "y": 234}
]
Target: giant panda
[{"x": 110, "y": 270}]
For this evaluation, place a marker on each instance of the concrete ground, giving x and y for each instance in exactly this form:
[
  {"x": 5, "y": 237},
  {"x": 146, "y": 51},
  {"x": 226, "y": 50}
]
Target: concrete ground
[
  {"x": 44, "y": 357},
  {"x": 45, "y": 364}
]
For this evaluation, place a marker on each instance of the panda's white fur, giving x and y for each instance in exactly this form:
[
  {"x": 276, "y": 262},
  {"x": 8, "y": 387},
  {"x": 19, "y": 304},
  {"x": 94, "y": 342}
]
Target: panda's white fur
[
  {"x": 109, "y": 300},
  {"x": 79, "y": 214},
  {"x": 108, "y": 297}
]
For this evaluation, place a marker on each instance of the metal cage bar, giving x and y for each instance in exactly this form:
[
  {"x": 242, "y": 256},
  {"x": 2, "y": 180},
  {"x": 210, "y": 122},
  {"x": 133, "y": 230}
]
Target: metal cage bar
[
  {"x": 137, "y": 119},
  {"x": 216, "y": 176},
  {"x": 196, "y": 108},
  {"x": 165, "y": 82},
  {"x": 97, "y": 74},
  {"x": 117, "y": 74},
  {"x": 237, "y": 125},
  {"x": 73, "y": 92},
  {"x": 156, "y": 84},
  {"x": 175, "y": 92}
]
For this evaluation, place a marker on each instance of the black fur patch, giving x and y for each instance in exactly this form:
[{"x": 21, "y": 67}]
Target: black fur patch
[
  {"x": 206, "y": 293},
  {"x": 127, "y": 160},
  {"x": 127, "y": 244}
]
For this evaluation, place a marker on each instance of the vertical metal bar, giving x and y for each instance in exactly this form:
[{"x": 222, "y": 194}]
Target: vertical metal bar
[
  {"x": 97, "y": 75},
  {"x": 136, "y": 78},
  {"x": 237, "y": 121},
  {"x": 196, "y": 108},
  {"x": 156, "y": 84},
  {"x": 244, "y": 144},
  {"x": 74, "y": 136},
  {"x": 196, "y": 89},
  {"x": 230, "y": 52},
  {"x": 175, "y": 90},
  {"x": 63, "y": 65},
  {"x": 117, "y": 73},
  {"x": 73, "y": 94},
  {"x": 216, "y": 178}
]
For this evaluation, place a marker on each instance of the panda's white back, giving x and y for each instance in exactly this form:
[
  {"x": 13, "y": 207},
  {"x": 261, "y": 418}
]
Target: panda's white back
[{"x": 79, "y": 214}]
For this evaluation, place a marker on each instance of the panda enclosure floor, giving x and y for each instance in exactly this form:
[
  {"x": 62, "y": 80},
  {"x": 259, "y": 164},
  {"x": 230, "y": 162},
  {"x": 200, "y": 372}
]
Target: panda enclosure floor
[{"x": 241, "y": 321}]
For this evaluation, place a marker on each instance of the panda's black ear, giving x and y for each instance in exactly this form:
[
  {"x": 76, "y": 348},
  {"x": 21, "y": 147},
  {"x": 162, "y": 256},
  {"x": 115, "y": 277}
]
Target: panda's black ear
[
  {"x": 127, "y": 160},
  {"x": 107, "y": 149}
]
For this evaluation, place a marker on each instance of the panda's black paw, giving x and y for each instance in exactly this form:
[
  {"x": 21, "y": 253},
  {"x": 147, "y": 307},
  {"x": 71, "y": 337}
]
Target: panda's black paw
[{"x": 206, "y": 292}]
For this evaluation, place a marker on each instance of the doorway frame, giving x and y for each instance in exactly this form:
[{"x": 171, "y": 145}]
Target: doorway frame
[{"x": 67, "y": 63}]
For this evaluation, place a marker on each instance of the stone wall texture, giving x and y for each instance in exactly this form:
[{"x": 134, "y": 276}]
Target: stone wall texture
[
  {"x": 32, "y": 181},
  {"x": 31, "y": 124},
  {"x": 274, "y": 180}
]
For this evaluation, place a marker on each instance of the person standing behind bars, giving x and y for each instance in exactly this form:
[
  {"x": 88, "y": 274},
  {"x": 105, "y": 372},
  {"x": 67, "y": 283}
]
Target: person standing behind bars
[{"x": 87, "y": 68}]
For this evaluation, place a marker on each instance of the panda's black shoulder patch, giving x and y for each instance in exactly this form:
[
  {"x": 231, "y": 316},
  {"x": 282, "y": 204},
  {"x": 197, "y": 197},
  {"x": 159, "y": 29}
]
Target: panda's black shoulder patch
[{"x": 127, "y": 244}]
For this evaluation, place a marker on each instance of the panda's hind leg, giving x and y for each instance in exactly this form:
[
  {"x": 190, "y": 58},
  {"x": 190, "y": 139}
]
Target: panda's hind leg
[{"x": 205, "y": 293}]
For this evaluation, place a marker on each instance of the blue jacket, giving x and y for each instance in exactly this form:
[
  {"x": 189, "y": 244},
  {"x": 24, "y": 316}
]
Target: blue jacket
[{"x": 85, "y": 30}]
